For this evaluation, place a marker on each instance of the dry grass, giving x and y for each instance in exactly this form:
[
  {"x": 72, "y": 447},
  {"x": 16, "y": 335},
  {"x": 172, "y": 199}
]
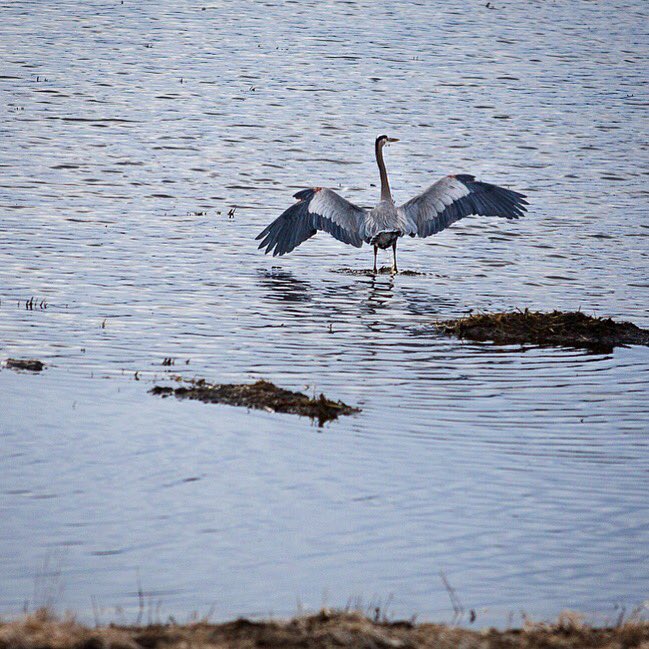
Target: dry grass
[
  {"x": 261, "y": 395},
  {"x": 326, "y": 630},
  {"x": 572, "y": 329}
]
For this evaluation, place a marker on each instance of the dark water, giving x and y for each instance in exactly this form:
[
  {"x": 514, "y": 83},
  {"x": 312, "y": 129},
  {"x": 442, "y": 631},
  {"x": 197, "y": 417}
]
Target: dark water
[{"x": 128, "y": 133}]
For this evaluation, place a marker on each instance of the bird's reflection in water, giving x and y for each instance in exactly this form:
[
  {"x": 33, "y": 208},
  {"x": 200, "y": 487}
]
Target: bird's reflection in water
[
  {"x": 378, "y": 303},
  {"x": 367, "y": 298},
  {"x": 328, "y": 303},
  {"x": 381, "y": 292},
  {"x": 283, "y": 286}
]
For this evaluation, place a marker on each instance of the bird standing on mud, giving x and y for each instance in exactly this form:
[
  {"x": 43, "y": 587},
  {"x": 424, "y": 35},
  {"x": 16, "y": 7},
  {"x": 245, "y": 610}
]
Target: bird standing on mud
[{"x": 448, "y": 200}]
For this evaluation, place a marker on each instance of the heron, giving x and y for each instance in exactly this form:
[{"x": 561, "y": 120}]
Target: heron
[{"x": 435, "y": 209}]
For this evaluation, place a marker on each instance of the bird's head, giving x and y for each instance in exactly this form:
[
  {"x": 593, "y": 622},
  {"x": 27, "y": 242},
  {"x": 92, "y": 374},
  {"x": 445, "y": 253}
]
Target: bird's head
[{"x": 382, "y": 140}]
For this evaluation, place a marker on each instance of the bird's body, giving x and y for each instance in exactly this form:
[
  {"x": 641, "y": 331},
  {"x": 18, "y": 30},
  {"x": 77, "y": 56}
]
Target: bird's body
[
  {"x": 384, "y": 225},
  {"x": 448, "y": 200}
]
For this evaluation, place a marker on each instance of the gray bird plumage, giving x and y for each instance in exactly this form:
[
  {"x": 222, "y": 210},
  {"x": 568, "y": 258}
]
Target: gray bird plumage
[
  {"x": 442, "y": 204},
  {"x": 317, "y": 209}
]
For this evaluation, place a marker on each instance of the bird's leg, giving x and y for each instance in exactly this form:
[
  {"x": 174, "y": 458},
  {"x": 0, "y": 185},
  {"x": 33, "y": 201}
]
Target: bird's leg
[
  {"x": 394, "y": 257},
  {"x": 376, "y": 249}
]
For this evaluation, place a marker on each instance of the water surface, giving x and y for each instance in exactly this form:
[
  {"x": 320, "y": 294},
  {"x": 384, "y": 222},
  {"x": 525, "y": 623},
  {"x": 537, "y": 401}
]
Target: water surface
[{"x": 129, "y": 132}]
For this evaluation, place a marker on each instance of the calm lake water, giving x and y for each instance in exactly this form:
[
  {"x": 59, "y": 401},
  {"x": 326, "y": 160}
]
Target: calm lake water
[{"x": 128, "y": 132}]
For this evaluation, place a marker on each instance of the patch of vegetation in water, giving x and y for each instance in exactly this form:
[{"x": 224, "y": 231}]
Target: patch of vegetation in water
[
  {"x": 261, "y": 395},
  {"x": 571, "y": 329},
  {"x": 384, "y": 270},
  {"x": 30, "y": 364}
]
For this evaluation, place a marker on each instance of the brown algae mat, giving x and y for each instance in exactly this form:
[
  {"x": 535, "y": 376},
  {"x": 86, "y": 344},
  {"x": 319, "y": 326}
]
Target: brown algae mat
[
  {"x": 384, "y": 270},
  {"x": 571, "y": 329},
  {"x": 30, "y": 364},
  {"x": 261, "y": 395},
  {"x": 324, "y": 630}
]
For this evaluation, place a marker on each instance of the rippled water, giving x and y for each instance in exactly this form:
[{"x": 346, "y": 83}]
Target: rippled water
[{"x": 128, "y": 133}]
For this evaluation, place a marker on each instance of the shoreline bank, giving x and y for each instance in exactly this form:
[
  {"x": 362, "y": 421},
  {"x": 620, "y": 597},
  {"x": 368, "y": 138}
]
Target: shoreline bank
[{"x": 324, "y": 630}]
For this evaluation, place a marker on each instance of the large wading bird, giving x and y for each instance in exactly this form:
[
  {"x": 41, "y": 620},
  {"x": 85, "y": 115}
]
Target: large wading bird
[{"x": 442, "y": 204}]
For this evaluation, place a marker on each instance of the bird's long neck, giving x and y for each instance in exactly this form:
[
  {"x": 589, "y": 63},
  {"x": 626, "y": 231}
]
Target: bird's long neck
[{"x": 385, "y": 185}]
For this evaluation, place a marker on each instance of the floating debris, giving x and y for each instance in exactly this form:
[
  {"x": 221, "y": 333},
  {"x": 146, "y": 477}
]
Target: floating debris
[
  {"x": 571, "y": 329},
  {"x": 262, "y": 395},
  {"x": 31, "y": 364},
  {"x": 368, "y": 272}
]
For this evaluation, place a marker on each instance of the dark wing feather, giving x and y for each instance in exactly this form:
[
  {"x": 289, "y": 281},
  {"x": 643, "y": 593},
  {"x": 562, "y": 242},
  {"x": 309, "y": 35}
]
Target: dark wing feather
[
  {"x": 454, "y": 197},
  {"x": 316, "y": 209}
]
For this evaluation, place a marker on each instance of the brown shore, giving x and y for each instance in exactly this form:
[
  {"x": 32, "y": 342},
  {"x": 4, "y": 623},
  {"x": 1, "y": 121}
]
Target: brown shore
[{"x": 325, "y": 630}]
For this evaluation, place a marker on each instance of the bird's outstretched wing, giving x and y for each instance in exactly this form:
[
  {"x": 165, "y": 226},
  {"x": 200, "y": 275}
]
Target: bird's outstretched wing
[
  {"x": 454, "y": 197},
  {"x": 316, "y": 209}
]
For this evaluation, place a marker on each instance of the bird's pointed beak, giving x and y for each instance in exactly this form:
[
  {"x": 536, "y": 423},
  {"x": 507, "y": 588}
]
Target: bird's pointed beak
[{"x": 393, "y": 139}]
